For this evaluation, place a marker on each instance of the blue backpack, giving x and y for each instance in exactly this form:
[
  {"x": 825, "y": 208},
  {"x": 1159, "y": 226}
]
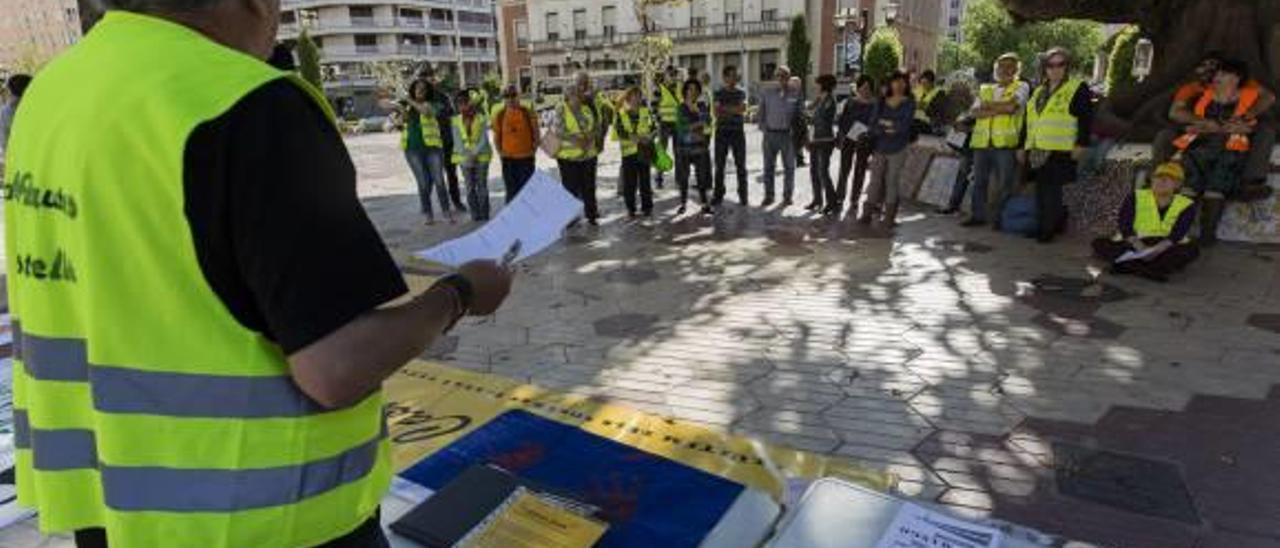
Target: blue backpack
[{"x": 1019, "y": 216}]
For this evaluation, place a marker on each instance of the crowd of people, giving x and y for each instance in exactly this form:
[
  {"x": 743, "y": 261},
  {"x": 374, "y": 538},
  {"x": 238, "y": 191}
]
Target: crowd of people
[{"x": 1013, "y": 130}]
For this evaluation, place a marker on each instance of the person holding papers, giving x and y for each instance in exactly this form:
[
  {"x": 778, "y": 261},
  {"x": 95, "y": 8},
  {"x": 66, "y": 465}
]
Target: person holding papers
[
  {"x": 635, "y": 132},
  {"x": 854, "y": 142},
  {"x": 891, "y": 129},
  {"x": 471, "y": 153},
  {"x": 1154, "y": 224}
]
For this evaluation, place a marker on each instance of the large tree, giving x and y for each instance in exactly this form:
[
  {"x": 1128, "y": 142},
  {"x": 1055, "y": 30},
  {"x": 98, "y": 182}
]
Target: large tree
[
  {"x": 1182, "y": 31},
  {"x": 989, "y": 32}
]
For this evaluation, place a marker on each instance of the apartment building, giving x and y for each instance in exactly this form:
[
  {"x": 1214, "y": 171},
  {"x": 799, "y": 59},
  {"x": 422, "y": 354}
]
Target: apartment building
[
  {"x": 458, "y": 37},
  {"x": 513, "y": 43},
  {"x": 34, "y": 31},
  {"x": 953, "y": 19}
]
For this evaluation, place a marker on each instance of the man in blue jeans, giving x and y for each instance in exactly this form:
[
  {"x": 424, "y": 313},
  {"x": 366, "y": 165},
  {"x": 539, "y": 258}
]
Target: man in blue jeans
[
  {"x": 777, "y": 110},
  {"x": 999, "y": 113}
]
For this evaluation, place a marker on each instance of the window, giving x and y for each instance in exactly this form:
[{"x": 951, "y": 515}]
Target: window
[
  {"x": 361, "y": 11},
  {"x": 768, "y": 64},
  {"x": 553, "y": 26},
  {"x": 732, "y": 18},
  {"x": 366, "y": 40},
  {"x": 288, "y": 18},
  {"x": 769, "y": 15},
  {"x": 580, "y": 24},
  {"x": 608, "y": 19},
  {"x": 522, "y": 33},
  {"x": 697, "y": 22}
]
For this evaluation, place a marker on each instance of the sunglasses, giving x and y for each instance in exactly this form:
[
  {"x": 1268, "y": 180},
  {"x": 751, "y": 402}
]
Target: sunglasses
[{"x": 1056, "y": 65}]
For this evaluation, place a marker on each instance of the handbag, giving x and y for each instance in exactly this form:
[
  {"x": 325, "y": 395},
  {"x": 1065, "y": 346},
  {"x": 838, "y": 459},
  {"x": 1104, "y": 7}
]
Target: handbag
[{"x": 662, "y": 160}]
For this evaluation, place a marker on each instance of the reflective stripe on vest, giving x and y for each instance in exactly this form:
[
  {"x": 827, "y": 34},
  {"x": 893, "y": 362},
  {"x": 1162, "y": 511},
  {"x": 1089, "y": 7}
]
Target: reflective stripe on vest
[
  {"x": 669, "y": 103},
  {"x": 573, "y": 127},
  {"x": 997, "y": 131},
  {"x": 924, "y": 101},
  {"x": 430, "y": 132},
  {"x": 141, "y": 404},
  {"x": 626, "y": 129},
  {"x": 471, "y": 137},
  {"x": 1147, "y": 222},
  {"x": 1054, "y": 128},
  {"x": 1236, "y": 142}
]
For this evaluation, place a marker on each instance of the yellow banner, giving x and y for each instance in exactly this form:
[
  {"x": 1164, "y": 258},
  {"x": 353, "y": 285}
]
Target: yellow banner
[{"x": 431, "y": 405}]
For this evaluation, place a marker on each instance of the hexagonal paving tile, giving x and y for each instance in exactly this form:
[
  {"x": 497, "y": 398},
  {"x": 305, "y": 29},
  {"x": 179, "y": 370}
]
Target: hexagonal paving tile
[{"x": 625, "y": 325}]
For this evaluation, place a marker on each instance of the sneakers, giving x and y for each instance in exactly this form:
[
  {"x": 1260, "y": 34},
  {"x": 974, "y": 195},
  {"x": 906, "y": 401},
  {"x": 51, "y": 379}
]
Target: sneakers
[
  {"x": 768, "y": 201},
  {"x": 970, "y": 223},
  {"x": 681, "y": 210},
  {"x": 707, "y": 209},
  {"x": 945, "y": 210}
]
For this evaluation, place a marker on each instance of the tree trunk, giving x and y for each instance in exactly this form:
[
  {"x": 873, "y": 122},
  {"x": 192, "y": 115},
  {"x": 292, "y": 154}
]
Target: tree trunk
[{"x": 1183, "y": 31}]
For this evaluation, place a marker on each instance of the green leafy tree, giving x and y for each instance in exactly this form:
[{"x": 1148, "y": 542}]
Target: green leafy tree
[
  {"x": 990, "y": 31},
  {"x": 955, "y": 57},
  {"x": 492, "y": 84},
  {"x": 883, "y": 56},
  {"x": 1120, "y": 62},
  {"x": 309, "y": 59},
  {"x": 798, "y": 49}
]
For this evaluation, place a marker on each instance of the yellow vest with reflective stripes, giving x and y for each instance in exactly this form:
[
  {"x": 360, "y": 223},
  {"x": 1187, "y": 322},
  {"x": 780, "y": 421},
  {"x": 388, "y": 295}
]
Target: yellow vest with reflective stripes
[
  {"x": 430, "y": 128},
  {"x": 476, "y": 135},
  {"x": 1054, "y": 128},
  {"x": 1147, "y": 222},
  {"x": 668, "y": 102},
  {"x": 924, "y": 101},
  {"x": 575, "y": 124},
  {"x": 141, "y": 404},
  {"x": 997, "y": 131},
  {"x": 626, "y": 129}
]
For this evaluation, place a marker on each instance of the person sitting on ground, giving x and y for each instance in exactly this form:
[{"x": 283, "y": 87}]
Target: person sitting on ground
[
  {"x": 931, "y": 105},
  {"x": 1182, "y": 114},
  {"x": 1216, "y": 145},
  {"x": 1153, "y": 229}
]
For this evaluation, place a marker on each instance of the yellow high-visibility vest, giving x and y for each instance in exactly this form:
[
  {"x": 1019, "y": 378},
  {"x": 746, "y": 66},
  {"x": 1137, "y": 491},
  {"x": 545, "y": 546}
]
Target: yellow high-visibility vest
[
  {"x": 627, "y": 129},
  {"x": 1147, "y": 221},
  {"x": 1054, "y": 128},
  {"x": 997, "y": 131},
  {"x": 576, "y": 124}
]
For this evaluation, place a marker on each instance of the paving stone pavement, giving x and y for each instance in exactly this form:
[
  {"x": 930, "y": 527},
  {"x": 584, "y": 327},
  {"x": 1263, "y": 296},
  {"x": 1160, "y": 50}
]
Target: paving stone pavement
[{"x": 952, "y": 357}]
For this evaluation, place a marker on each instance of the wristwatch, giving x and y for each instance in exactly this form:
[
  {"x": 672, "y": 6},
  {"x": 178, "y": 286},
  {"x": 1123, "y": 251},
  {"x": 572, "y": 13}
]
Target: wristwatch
[{"x": 463, "y": 290}]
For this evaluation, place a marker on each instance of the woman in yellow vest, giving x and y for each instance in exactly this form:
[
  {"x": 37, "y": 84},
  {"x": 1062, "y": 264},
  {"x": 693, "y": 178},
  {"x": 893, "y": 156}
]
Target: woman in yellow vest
[
  {"x": 577, "y": 155},
  {"x": 1059, "y": 116},
  {"x": 1216, "y": 148},
  {"x": 668, "y": 98},
  {"x": 1152, "y": 238},
  {"x": 634, "y": 132},
  {"x": 998, "y": 114},
  {"x": 931, "y": 101},
  {"x": 424, "y": 149},
  {"x": 472, "y": 152}
]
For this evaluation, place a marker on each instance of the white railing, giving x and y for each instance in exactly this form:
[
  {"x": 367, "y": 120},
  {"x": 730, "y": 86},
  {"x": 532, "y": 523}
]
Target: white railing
[
  {"x": 440, "y": 24},
  {"x": 475, "y": 27}
]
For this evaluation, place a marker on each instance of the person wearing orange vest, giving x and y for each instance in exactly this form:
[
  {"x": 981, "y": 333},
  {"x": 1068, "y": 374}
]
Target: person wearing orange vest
[
  {"x": 1153, "y": 229},
  {"x": 1182, "y": 114},
  {"x": 1214, "y": 148}
]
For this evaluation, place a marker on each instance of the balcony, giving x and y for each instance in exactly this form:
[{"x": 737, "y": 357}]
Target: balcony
[
  {"x": 368, "y": 49},
  {"x": 440, "y": 24},
  {"x": 690, "y": 34},
  {"x": 467, "y": 26},
  {"x": 293, "y": 4},
  {"x": 427, "y": 50},
  {"x": 479, "y": 53}
]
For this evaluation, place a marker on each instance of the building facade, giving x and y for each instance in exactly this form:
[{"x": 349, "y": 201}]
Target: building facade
[
  {"x": 513, "y": 43},
  {"x": 953, "y": 19},
  {"x": 457, "y": 37},
  {"x": 918, "y": 23},
  {"x": 34, "y": 31}
]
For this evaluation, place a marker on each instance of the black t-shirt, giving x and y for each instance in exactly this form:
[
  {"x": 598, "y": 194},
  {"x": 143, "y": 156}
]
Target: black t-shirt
[{"x": 280, "y": 235}]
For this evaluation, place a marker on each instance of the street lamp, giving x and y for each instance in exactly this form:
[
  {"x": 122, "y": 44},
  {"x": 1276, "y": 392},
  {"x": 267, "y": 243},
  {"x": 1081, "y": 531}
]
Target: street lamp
[{"x": 1144, "y": 53}]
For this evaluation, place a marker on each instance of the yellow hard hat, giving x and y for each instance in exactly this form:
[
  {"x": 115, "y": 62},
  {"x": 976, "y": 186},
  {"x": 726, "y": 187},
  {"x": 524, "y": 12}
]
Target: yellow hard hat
[{"x": 1172, "y": 170}]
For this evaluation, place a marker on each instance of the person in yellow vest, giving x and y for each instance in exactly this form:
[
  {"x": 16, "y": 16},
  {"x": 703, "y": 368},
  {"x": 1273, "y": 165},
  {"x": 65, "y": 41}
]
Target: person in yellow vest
[
  {"x": 1215, "y": 148},
  {"x": 635, "y": 132},
  {"x": 997, "y": 133},
  {"x": 424, "y": 149},
  {"x": 192, "y": 366},
  {"x": 931, "y": 103},
  {"x": 472, "y": 152},
  {"x": 668, "y": 98},
  {"x": 1153, "y": 229},
  {"x": 578, "y": 156},
  {"x": 1059, "y": 118}
]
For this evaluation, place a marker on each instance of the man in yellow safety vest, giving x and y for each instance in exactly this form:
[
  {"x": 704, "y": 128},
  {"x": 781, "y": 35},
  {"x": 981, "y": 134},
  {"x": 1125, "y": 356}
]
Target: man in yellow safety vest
[
  {"x": 192, "y": 367},
  {"x": 997, "y": 134}
]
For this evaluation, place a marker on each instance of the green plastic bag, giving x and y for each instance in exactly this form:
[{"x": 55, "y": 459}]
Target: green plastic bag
[{"x": 662, "y": 161}]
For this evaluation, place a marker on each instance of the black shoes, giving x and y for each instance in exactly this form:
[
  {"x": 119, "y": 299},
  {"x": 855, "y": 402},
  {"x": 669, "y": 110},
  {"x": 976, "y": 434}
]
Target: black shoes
[{"x": 970, "y": 223}]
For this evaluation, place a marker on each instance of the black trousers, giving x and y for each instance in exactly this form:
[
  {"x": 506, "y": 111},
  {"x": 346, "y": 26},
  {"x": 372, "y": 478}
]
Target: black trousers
[
  {"x": 1058, "y": 170},
  {"x": 735, "y": 142},
  {"x": 451, "y": 175},
  {"x": 701, "y": 163},
  {"x": 1172, "y": 260},
  {"x": 368, "y": 535},
  {"x": 855, "y": 156},
  {"x": 515, "y": 173},
  {"x": 963, "y": 176},
  {"x": 579, "y": 178},
  {"x": 635, "y": 179}
]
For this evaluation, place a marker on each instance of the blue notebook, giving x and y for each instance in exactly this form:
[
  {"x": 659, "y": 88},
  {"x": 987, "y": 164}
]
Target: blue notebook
[{"x": 647, "y": 500}]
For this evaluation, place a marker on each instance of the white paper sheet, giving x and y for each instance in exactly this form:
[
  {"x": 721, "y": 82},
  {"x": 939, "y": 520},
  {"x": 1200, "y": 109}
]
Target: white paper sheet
[
  {"x": 1134, "y": 255},
  {"x": 956, "y": 138},
  {"x": 536, "y": 219},
  {"x": 858, "y": 130},
  {"x": 915, "y": 527}
]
